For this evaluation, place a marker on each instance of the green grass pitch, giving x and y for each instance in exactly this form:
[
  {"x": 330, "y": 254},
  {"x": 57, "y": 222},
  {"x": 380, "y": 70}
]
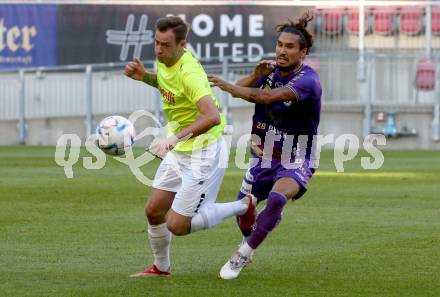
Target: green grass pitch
[{"x": 358, "y": 233}]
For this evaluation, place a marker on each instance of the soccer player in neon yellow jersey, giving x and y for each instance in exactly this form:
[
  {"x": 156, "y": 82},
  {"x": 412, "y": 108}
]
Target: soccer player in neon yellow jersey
[{"x": 181, "y": 200}]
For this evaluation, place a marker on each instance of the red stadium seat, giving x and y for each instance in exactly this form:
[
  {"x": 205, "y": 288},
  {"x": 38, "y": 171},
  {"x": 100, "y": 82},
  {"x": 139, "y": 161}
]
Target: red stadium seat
[
  {"x": 353, "y": 20},
  {"x": 425, "y": 74},
  {"x": 435, "y": 18},
  {"x": 384, "y": 20},
  {"x": 332, "y": 20},
  {"x": 411, "y": 20}
]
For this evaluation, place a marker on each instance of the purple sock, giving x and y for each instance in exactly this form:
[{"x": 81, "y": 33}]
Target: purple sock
[{"x": 267, "y": 219}]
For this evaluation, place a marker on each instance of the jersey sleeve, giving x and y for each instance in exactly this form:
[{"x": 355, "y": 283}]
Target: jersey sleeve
[
  {"x": 196, "y": 86},
  {"x": 303, "y": 86},
  {"x": 262, "y": 79},
  {"x": 260, "y": 82}
]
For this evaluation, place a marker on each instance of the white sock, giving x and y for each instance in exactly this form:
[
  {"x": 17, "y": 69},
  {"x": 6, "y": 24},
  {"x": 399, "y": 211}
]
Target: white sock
[
  {"x": 160, "y": 238},
  {"x": 245, "y": 250},
  {"x": 214, "y": 213}
]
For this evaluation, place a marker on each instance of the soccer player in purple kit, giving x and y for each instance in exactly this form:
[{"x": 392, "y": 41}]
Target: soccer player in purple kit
[{"x": 287, "y": 97}]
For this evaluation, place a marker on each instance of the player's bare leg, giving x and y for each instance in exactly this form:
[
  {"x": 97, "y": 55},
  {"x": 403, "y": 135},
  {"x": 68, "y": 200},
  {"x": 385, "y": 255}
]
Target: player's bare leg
[
  {"x": 178, "y": 224},
  {"x": 158, "y": 233}
]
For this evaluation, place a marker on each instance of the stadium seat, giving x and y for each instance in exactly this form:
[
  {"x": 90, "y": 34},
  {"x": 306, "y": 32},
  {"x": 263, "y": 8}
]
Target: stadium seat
[
  {"x": 425, "y": 74},
  {"x": 331, "y": 20},
  {"x": 435, "y": 19},
  {"x": 384, "y": 23},
  {"x": 411, "y": 20},
  {"x": 352, "y": 25}
]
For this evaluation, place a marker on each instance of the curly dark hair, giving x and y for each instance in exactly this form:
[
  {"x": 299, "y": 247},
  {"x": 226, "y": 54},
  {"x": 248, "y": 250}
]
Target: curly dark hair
[{"x": 298, "y": 27}]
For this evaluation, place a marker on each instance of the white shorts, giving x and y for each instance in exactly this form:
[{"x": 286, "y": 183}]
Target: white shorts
[{"x": 194, "y": 177}]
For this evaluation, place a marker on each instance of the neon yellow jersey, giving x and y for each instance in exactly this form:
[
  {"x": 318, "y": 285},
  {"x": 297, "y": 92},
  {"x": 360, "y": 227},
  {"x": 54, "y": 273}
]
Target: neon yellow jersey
[{"x": 181, "y": 86}]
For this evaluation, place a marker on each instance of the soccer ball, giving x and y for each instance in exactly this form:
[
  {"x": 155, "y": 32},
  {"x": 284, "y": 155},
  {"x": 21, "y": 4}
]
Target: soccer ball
[{"x": 115, "y": 135}]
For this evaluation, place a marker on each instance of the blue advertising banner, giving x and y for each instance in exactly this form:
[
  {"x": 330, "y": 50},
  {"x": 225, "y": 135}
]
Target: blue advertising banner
[{"x": 28, "y": 35}]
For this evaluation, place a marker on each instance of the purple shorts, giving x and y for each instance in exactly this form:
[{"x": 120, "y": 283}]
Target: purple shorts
[{"x": 259, "y": 181}]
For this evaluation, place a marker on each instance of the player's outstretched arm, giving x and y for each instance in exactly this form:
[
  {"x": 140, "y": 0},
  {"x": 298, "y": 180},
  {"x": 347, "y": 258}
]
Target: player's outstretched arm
[
  {"x": 247, "y": 81},
  {"x": 136, "y": 71},
  {"x": 254, "y": 95},
  {"x": 264, "y": 67}
]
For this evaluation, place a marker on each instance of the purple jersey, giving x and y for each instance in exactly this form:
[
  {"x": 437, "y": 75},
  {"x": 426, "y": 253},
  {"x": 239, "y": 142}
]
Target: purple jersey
[{"x": 292, "y": 118}]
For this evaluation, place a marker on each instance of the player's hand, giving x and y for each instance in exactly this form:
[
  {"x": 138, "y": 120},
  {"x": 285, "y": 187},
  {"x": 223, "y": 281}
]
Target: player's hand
[
  {"x": 264, "y": 67},
  {"x": 135, "y": 69},
  {"x": 217, "y": 82},
  {"x": 161, "y": 147}
]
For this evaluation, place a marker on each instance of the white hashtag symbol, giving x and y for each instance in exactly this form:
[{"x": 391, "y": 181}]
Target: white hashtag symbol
[{"x": 129, "y": 37}]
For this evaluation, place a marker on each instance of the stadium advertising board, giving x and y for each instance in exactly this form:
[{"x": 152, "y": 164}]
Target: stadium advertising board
[
  {"x": 27, "y": 35},
  {"x": 98, "y": 33},
  {"x": 47, "y": 35}
]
